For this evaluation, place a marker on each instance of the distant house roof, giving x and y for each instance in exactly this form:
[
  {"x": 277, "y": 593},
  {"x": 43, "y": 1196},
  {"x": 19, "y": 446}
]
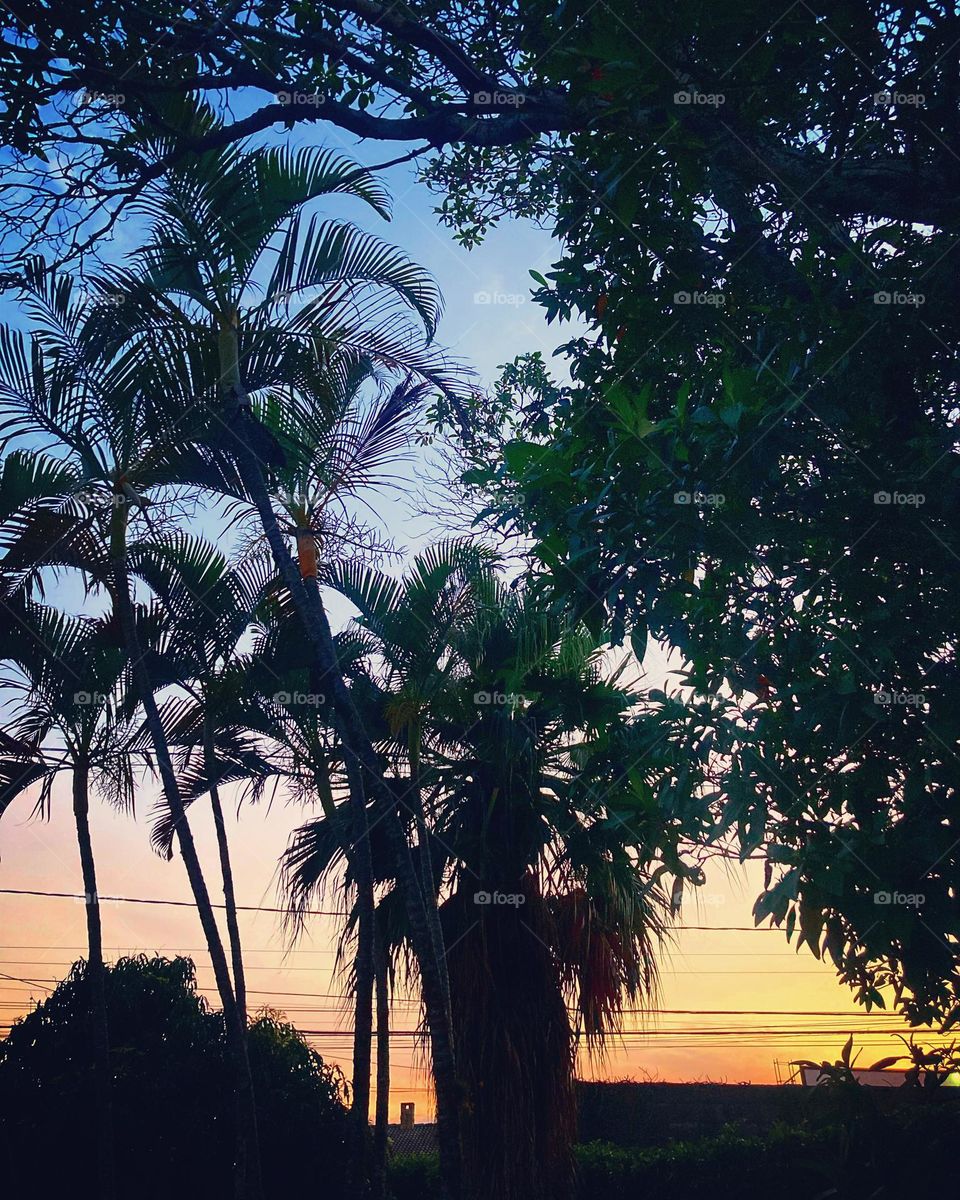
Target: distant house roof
[{"x": 412, "y": 1139}]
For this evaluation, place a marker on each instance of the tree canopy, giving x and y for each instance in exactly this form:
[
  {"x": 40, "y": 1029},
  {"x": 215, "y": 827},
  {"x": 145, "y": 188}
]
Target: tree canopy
[
  {"x": 169, "y": 1071},
  {"x": 815, "y": 107}
]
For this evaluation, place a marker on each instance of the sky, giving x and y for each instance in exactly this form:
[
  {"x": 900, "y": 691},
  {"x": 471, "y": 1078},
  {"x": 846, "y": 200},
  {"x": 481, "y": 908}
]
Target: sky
[{"x": 735, "y": 1001}]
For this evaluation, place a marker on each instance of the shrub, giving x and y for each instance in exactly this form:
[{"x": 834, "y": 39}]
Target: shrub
[
  {"x": 415, "y": 1177},
  {"x": 734, "y": 1166},
  {"x": 172, "y": 1108},
  {"x": 906, "y": 1149}
]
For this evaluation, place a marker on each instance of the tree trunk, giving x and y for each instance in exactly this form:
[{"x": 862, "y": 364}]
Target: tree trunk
[
  {"x": 382, "y": 1117},
  {"x": 425, "y": 859},
  {"x": 514, "y": 1046},
  {"x": 226, "y": 872},
  {"x": 362, "y": 869},
  {"x": 247, "y": 1183},
  {"x": 99, "y": 1031},
  {"x": 358, "y": 854},
  {"x": 241, "y": 436}
]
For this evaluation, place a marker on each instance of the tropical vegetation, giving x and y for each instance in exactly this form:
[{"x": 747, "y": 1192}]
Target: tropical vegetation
[{"x": 748, "y": 462}]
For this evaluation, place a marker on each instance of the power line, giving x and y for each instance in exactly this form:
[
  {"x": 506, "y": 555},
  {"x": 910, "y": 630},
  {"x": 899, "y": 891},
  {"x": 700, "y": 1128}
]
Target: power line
[
  {"x": 26, "y": 982},
  {"x": 853, "y": 1016},
  {"x": 170, "y": 903},
  {"x": 315, "y": 995},
  {"x": 747, "y": 1032},
  {"x": 299, "y": 950},
  {"x": 178, "y": 949},
  {"x": 321, "y": 912},
  {"x": 653, "y": 1012},
  {"x": 49, "y": 962}
]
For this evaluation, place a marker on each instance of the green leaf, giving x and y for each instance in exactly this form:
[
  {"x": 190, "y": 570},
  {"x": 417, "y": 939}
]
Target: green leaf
[
  {"x": 520, "y": 455},
  {"x": 883, "y": 1063}
]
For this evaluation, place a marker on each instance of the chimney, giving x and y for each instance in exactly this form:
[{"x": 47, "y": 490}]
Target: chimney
[{"x": 407, "y": 1109}]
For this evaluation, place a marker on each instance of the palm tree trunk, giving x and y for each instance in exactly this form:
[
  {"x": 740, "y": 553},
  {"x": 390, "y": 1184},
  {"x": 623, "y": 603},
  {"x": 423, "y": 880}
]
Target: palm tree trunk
[
  {"x": 99, "y": 1031},
  {"x": 247, "y": 1182},
  {"x": 514, "y": 1047},
  {"x": 226, "y": 872},
  {"x": 382, "y": 1117},
  {"x": 242, "y": 434},
  {"x": 362, "y": 869},
  {"x": 431, "y": 901},
  {"x": 358, "y": 854}
]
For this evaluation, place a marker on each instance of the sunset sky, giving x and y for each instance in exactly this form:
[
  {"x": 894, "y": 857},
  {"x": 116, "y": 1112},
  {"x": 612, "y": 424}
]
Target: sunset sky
[
  {"x": 724, "y": 985},
  {"x": 733, "y": 1000}
]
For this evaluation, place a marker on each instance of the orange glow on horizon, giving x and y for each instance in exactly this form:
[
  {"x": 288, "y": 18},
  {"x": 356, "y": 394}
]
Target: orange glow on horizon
[{"x": 721, "y": 987}]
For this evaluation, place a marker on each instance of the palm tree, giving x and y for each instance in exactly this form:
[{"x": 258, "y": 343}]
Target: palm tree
[
  {"x": 310, "y": 759},
  {"x": 285, "y": 308},
  {"x": 185, "y": 375},
  {"x": 513, "y": 745},
  {"x": 329, "y": 461},
  {"x": 111, "y": 413},
  {"x": 65, "y": 673},
  {"x": 208, "y": 606}
]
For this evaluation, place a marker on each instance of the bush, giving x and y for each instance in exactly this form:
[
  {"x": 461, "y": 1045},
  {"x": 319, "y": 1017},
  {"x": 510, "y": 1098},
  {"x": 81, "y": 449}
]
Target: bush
[
  {"x": 878, "y": 1151},
  {"x": 911, "y": 1152},
  {"x": 731, "y": 1164},
  {"x": 172, "y": 1107},
  {"x": 415, "y": 1177}
]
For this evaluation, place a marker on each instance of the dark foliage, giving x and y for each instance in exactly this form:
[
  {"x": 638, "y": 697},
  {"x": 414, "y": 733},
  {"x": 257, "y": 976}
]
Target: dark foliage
[
  {"x": 171, "y": 1077},
  {"x": 756, "y": 461},
  {"x": 885, "y": 1151}
]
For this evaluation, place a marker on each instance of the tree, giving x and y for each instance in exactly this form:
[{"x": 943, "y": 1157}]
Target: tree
[
  {"x": 496, "y": 718},
  {"x": 756, "y": 461},
  {"x": 193, "y": 306},
  {"x": 66, "y": 674},
  {"x": 172, "y": 1071},
  {"x": 512, "y": 93},
  {"x": 93, "y": 403},
  {"x": 334, "y": 298},
  {"x": 208, "y": 606},
  {"x": 382, "y": 988},
  {"x": 309, "y": 759}
]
